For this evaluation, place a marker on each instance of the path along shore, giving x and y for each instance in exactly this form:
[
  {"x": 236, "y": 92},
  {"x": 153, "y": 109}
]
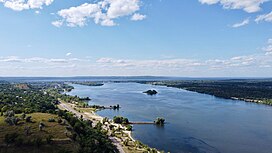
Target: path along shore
[{"x": 96, "y": 118}]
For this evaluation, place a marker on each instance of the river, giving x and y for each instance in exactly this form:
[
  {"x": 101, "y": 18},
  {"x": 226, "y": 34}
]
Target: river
[{"x": 195, "y": 123}]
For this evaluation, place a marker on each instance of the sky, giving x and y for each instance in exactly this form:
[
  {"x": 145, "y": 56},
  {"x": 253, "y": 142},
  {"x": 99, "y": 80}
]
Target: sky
[{"x": 186, "y": 38}]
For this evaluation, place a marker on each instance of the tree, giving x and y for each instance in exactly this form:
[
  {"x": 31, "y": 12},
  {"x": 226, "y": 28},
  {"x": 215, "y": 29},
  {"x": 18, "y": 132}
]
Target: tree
[
  {"x": 28, "y": 119},
  {"x": 23, "y": 116},
  {"x": 41, "y": 126},
  {"x": 27, "y": 130},
  {"x": 129, "y": 127},
  {"x": 126, "y": 142},
  {"x": 105, "y": 119},
  {"x": 49, "y": 139},
  {"x": 120, "y": 120},
  {"x": 159, "y": 121}
]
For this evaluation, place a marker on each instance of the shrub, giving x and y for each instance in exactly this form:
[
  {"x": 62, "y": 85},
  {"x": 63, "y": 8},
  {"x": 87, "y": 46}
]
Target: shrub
[
  {"x": 12, "y": 120},
  {"x": 111, "y": 127},
  {"x": 59, "y": 120},
  {"x": 120, "y": 120},
  {"x": 49, "y": 139},
  {"x": 23, "y": 116},
  {"x": 51, "y": 120},
  {"x": 41, "y": 126},
  {"x": 129, "y": 127},
  {"x": 126, "y": 142},
  {"x": 89, "y": 123},
  {"x": 37, "y": 141},
  {"x": 27, "y": 130},
  {"x": 19, "y": 141},
  {"x": 105, "y": 119},
  {"x": 9, "y": 113},
  {"x": 10, "y": 138},
  {"x": 28, "y": 118}
]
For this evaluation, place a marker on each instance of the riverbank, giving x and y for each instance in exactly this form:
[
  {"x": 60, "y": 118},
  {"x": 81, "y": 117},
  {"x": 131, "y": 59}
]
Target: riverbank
[{"x": 118, "y": 133}]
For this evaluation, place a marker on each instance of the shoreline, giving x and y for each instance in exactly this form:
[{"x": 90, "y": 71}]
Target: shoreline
[
  {"x": 94, "y": 115},
  {"x": 118, "y": 139},
  {"x": 256, "y": 101}
]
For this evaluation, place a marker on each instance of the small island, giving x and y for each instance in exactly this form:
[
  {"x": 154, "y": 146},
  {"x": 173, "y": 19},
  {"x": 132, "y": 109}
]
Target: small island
[
  {"x": 159, "y": 121},
  {"x": 151, "y": 92}
]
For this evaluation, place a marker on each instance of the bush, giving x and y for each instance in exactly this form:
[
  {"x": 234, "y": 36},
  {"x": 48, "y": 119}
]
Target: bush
[
  {"x": 9, "y": 113},
  {"x": 111, "y": 127},
  {"x": 89, "y": 123},
  {"x": 105, "y": 119},
  {"x": 19, "y": 141},
  {"x": 120, "y": 120},
  {"x": 49, "y": 139},
  {"x": 23, "y": 116},
  {"x": 129, "y": 127},
  {"x": 28, "y": 119},
  {"x": 59, "y": 120},
  {"x": 51, "y": 120},
  {"x": 10, "y": 138},
  {"x": 37, "y": 141},
  {"x": 12, "y": 120}
]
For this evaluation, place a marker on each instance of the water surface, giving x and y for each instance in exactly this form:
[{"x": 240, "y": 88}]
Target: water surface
[{"x": 196, "y": 123}]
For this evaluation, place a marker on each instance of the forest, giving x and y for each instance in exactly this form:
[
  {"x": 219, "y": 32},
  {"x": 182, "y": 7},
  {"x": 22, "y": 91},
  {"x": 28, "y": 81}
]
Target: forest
[{"x": 253, "y": 90}]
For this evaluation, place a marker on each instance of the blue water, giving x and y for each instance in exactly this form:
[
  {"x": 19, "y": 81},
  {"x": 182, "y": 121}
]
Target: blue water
[{"x": 196, "y": 123}]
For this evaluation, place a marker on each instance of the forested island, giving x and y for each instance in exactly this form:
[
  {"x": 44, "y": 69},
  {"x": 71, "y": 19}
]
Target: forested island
[{"x": 250, "y": 90}]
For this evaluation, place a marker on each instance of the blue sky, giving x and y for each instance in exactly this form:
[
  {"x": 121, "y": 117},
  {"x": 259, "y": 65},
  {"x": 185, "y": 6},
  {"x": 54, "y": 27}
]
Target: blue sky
[{"x": 196, "y": 38}]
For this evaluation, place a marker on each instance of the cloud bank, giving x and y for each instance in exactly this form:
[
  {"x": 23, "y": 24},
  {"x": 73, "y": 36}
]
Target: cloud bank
[{"x": 249, "y": 65}]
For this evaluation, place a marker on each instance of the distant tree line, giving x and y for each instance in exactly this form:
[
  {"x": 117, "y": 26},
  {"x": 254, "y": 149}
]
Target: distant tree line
[{"x": 242, "y": 89}]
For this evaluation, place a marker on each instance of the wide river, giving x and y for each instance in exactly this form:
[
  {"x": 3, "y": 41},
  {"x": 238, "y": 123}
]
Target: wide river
[{"x": 195, "y": 123}]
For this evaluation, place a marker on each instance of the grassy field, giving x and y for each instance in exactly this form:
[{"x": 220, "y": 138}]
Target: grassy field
[
  {"x": 52, "y": 129},
  {"x": 89, "y": 110}
]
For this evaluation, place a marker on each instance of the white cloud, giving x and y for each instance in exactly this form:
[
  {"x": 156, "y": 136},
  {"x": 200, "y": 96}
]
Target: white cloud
[
  {"x": 19, "y": 5},
  {"x": 119, "y": 8},
  {"x": 77, "y": 16},
  {"x": 38, "y": 3},
  {"x": 240, "y": 24},
  {"x": 264, "y": 17},
  {"x": 103, "y": 13},
  {"x": 268, "y": 47},
  {"x": 249, "y": 6},
  {"x": 138, "y": 17},
  {"x": 57, "y": 23},
  {"x": 68, "y": 54}
]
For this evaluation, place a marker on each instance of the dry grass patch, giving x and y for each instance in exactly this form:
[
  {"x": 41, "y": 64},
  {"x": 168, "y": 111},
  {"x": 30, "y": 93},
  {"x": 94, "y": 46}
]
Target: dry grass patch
[{"x": 56, "y": 130}]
